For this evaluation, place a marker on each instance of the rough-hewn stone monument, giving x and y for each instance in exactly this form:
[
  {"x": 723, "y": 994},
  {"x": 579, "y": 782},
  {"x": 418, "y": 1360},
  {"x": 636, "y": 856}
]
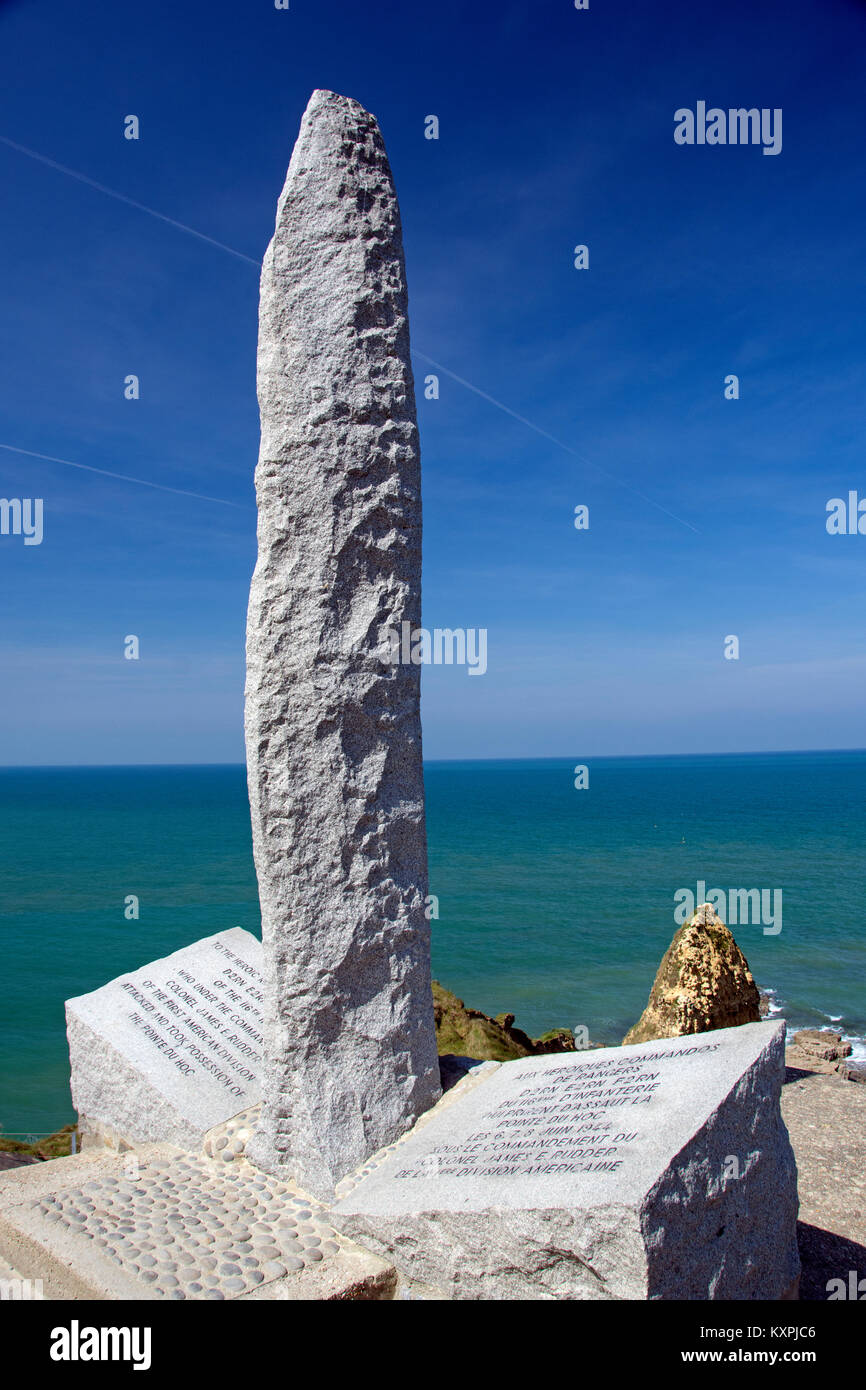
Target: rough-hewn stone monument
[
  {"x": 656, "y": 1171},
  {"x": 333, "y": 731}
]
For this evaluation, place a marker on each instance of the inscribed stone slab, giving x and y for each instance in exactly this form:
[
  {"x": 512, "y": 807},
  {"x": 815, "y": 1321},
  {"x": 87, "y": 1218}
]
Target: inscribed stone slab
[
  {"x": 164, "y": 1053},
  {"x": 657, "y": 1171}
]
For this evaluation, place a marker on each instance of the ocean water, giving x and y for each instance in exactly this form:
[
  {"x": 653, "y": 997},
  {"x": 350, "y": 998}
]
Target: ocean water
[{"x": 554, "y": 904}]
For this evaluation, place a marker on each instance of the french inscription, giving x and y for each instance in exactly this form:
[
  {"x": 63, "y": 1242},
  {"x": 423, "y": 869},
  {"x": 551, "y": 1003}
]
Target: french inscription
[{"x": 563, "y": 1124}]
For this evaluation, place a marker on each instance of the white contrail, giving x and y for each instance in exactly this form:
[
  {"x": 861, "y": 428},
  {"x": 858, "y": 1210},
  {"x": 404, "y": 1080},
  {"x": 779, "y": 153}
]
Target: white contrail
[
  {"x": 122, "y": 198},
  {"x": 123, "y": 477},
  {"x": 182, "y": 227},
  {"x": 545, "y": 434}
]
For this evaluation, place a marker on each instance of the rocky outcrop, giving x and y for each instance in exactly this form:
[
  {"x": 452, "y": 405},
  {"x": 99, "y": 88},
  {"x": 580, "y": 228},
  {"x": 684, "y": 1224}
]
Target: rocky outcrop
[
  {"x": 822, "y": 1050},
  {"x": 470, "y": 1033},
  {"x": 703, "y": 982},
  {"x": 821, "y": 1045}
]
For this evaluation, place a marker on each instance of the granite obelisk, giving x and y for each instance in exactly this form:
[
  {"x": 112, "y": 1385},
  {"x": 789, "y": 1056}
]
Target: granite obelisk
[{"x": 333, "y": 728}]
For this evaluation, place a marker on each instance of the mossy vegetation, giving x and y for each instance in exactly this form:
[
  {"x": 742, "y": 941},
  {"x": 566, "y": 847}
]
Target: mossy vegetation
[
  {"x": 57, "y": 1145},
  {"x": 470, "y": 1033}
]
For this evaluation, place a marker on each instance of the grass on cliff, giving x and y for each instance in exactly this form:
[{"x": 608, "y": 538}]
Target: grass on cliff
[{"x": 57, "y": 1145}]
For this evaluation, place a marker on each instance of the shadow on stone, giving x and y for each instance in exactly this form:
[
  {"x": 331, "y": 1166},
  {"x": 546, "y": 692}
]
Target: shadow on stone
[
  {"x": 13, "y": 1160},
  {"x": 796, "y": 1074},
  {"x": 826, "y": 1256}
]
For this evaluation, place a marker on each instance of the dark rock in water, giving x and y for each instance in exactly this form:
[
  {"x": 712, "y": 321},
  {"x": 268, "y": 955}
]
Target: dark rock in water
[
  {"x": 469, "y": 1033},
  {"x": 703, "y": 982},
  {"x": 821, "y": 1044}
]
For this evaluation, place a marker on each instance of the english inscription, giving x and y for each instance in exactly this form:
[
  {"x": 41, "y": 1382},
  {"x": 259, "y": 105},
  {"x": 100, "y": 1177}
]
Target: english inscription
[{"x": 211, "y": 1026}]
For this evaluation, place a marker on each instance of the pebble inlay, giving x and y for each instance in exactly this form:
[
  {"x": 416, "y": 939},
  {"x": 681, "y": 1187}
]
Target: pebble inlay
[{"x": 198, "y": 1227}]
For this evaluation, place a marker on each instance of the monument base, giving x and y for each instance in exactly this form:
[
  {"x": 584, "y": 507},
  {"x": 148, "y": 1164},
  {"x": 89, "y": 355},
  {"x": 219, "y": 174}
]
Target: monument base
[{"x": 161, "y": 1223}]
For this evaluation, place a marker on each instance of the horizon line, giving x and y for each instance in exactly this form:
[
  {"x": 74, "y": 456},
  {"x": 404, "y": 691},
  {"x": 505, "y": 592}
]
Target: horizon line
[{"x": 546, "y": 758}]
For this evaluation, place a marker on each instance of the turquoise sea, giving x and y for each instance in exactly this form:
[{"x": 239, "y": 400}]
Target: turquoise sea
[{"x": 554, "y": 904}]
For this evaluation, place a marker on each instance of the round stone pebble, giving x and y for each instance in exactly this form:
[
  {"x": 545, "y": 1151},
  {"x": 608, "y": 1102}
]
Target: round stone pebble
[
  {"x": 234, "y": 1284},
  {"x": 313, "y": 1254},
  {"x": 230, "y": 1269}
]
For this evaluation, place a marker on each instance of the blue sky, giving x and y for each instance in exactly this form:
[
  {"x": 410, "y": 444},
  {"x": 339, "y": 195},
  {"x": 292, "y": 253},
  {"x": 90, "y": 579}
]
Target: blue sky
[{"x": 556, "y": 128}]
